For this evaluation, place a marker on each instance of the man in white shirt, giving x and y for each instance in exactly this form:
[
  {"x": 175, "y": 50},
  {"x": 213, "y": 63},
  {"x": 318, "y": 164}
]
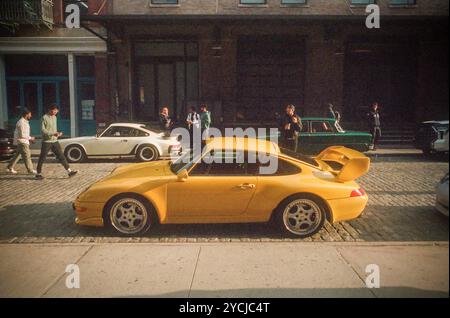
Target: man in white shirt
[
  {"x": 22, "y": 139},
  {"x": 192, "y": 122}
]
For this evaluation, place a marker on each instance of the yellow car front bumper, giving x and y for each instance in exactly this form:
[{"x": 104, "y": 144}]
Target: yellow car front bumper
[{"x": 88, "y": 213}]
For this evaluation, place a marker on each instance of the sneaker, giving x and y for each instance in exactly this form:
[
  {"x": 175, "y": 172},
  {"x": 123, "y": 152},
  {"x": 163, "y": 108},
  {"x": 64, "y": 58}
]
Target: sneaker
[
  {"x": 39, "y": 177},
  {"x": 34, "y": 172},
  {"x": 11, "y": 170},
  {"x": 72, "y": 173}
]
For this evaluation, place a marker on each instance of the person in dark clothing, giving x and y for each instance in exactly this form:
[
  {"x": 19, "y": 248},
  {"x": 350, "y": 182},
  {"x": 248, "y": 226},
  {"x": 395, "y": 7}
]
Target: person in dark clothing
[
  {"x": 291, "y": 126},
  {"x": 205, "y": 122},
  {"x": 374, "y": 124},
  {"x": 165, "y": 121}
]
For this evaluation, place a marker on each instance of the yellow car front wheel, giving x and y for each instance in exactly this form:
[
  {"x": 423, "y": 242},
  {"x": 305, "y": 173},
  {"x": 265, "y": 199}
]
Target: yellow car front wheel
[
  {"x": 129, "y": 214},
  {"x": 300, "y": 216}
]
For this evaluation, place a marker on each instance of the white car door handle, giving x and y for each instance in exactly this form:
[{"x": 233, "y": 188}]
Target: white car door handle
[
  {"x": 124, "y": 140},
  {"x": 246, "y": 186}
]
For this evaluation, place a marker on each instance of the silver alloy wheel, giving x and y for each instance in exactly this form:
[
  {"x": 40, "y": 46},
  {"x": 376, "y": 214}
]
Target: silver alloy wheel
[
  {"x": 147, "y": 153},
  {"x": 74, "y": 154},
  {"x": 302, "y": 216},
  {"x": 128, "y": 216}
]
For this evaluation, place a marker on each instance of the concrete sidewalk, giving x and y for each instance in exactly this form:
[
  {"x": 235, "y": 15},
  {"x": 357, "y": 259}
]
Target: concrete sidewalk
[{"x": 225, "y": 270}]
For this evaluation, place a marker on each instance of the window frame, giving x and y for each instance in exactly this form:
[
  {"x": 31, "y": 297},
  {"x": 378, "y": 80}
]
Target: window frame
[
  {"x": 402, "y": 5},
  {"x": 298, "y": 170},
  {"x": 333, "y": 128},
  {"x": 369, "y": 2},
  {"x": 115, "y": 127},
  {"x": 207, "y": 173},
  {"x": 152, "y": 3},
  {"x": 253, "y": 5},
  {"x": 298, "y": 4}
]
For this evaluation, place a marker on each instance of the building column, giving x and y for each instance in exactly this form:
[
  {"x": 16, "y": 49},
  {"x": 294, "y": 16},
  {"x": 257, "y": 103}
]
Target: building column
[
  {"x": 73, "y": 94},
  {"x": 3, "y": 99}
]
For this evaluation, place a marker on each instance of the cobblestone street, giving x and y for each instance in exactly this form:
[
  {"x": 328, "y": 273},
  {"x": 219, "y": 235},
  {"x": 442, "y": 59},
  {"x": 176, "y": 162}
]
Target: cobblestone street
[{"x": 401, "y": 208}]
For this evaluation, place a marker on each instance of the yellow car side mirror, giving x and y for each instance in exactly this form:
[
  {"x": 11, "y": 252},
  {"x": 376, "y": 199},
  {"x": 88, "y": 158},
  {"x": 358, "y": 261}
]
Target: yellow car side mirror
[{"x": 182, "y": 175}]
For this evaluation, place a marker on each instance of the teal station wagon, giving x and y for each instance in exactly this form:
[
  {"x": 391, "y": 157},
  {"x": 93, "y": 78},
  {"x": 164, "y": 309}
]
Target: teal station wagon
[{"x": 321, "y": 133}]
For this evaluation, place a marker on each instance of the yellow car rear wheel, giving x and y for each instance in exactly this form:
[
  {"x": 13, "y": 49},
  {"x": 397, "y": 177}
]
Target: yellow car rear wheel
[{"x": 300, "y": 216}]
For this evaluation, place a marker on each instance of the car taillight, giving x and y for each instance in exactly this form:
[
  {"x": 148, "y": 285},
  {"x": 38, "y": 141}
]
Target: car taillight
[
  {"x": 358, "y": 193},
  {"x": 174, "y": 148}
]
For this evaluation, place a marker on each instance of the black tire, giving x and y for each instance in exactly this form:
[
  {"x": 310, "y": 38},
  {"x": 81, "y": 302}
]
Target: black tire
[
  {"x": 75, "y": 154},
  {"x": 147, "y": 153},
  {"x": 429, "y": 153},
  {"x": 308, "y": 202},
  {"x": 115, "y": 220}
]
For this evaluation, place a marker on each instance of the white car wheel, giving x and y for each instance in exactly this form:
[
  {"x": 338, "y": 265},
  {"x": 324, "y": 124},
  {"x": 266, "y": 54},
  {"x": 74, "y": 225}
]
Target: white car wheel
[
  {"x": 75, "y": 154},
  {"x": 147, "y": 153}
]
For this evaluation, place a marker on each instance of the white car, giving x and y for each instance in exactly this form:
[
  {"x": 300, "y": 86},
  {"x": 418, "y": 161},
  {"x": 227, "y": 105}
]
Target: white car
[
  {"x": 442, "y": 195},
  {"x": 120, "y": 140}
]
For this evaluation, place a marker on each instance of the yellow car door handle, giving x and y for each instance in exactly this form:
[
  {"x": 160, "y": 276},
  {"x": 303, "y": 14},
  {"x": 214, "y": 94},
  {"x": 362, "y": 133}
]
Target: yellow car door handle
[{"x": 246, "y": 186}]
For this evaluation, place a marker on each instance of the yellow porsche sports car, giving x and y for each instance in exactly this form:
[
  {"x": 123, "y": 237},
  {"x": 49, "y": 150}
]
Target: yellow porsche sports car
[{"x": 298, "y": 196}]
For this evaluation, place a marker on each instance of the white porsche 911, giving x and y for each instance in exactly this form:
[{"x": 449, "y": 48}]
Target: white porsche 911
[{"x": 120, "y": 140}]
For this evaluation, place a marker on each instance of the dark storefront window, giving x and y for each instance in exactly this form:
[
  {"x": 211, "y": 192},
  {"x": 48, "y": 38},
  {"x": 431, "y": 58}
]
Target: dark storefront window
[
  {"x": 403, "y": 2},
  {"x": 270, "y": 76},
  {"x": 362, "y": 2},
  {"x": 166, "y": 74},
  {"x": 36, "y": 65},
  {"x": 36, "y": 81},
  {"x": 85, "y": 66},
  {"x": 293, "y": 1},
  {"x": 64, "y": 104},
  {"x": 164, "y": 1},
  {"x": 13, "y": 98},
  {"x": 86, "y": 95},
  {"x": 253, "y": 2}
]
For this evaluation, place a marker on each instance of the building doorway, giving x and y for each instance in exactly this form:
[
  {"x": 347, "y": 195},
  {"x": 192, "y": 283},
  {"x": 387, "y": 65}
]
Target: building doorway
[
  {"x": 166, "y": 75},
  {"x": 271, "y": 73},
  {"x": 381, "y": 72},
  {"x": 37, "y": 96},
  {"x": 36, "y": 81}
]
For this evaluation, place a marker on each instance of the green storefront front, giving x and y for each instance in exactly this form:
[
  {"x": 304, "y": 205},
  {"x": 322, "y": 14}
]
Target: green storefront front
[{"x": 49, "y": 84}]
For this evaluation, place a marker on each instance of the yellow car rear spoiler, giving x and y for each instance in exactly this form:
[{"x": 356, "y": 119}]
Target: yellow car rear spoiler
[{"x": 346, "y": 164}]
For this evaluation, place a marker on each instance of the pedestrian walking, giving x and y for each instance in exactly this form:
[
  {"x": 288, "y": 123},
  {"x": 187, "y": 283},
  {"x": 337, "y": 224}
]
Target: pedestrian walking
[
  {"x": 22, "y": 140},
  {"x": 291, "y": 126},
  {"x": 193, "y": 123},
  {"x": 374, "y": 124},
  {"x": 50, "y": 135}
]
